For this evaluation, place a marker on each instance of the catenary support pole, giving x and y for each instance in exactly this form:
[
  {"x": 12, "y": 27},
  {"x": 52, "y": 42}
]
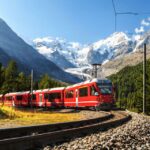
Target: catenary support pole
[
  {"x": 144, "y": 79},
  {"x": 31, "y": 87},
  {"x": 95, "y": 68}
]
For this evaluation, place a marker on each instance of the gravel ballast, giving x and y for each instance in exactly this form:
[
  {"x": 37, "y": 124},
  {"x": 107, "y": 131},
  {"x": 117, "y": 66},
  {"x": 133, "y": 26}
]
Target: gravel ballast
[{"x": 135, "y": 134}]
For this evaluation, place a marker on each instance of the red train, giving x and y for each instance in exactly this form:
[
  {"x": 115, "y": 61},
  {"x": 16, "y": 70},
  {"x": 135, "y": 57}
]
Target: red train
[{"x": 95, "y": 93}]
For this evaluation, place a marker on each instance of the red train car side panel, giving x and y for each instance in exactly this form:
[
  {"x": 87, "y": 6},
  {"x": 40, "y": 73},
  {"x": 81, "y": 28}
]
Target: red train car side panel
[{"x": 54, "y": 97}]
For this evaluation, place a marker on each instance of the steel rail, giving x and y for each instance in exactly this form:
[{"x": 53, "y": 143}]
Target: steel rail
[
  {"x": 29, "y": 130},
  {"x": 32, "y": 141}
]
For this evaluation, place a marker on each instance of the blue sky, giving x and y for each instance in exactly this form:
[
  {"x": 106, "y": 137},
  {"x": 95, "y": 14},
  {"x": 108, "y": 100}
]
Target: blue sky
[{"x": 83, "y": 21}]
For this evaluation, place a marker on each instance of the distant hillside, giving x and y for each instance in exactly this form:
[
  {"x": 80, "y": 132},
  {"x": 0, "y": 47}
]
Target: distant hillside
[
  {"x": 5, "y": 58},
  {"x": 129, "y": 87},
  {"x": 13, "y": 47},
  {"x": 130, "y": 59}
]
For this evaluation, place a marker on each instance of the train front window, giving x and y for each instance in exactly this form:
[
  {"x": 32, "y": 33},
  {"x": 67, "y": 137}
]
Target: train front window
[
  {"x": 105, "y": 89},
  {"x": 93, "y": 91}
]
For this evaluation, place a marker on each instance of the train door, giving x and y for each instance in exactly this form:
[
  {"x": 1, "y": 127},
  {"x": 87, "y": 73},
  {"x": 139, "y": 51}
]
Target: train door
[
  {"x": 83, "y": 96},
  {"x": 40, "y": 100},
  {"x": 77, "y": 101},
  {"x": 70, "y": 98},
  {"x": 93, "y": 99}
]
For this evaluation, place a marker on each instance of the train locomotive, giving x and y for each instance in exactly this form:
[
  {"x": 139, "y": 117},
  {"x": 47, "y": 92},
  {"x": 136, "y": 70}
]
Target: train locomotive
[{"x": 94, "y": 93}]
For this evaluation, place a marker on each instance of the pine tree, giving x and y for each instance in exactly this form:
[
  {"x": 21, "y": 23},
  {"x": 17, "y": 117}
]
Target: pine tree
[
  {"x": 129, "y": 87},
  {"x": 11, "y": 73}
]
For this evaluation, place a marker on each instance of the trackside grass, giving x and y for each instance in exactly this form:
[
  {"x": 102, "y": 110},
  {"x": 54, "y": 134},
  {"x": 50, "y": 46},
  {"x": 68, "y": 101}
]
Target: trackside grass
[{"x": 18, "y": 117}]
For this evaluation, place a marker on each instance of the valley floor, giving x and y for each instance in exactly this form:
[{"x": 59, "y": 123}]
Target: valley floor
[{"x": 11, "y": 117}]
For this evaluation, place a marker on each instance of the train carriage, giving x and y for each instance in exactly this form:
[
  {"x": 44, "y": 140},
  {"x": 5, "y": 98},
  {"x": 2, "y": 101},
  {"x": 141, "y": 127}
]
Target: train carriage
[
  {"x": 48, "y": 97},
  {"x": 96, "y": 93},
  {"x": 17, "y": 99}
]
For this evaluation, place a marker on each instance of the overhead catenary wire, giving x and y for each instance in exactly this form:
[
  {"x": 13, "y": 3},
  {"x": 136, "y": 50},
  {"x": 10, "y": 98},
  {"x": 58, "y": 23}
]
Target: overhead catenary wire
[{"x": 116, "y": 13}]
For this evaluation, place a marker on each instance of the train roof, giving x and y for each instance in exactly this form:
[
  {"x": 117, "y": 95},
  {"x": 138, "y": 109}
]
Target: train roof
[
  {"x": 18, "y": 93},
  {"x": 34, "y": 91},
  {"x": 102, "y": 80},
  {"x": 50, "y": 89},
  {"x": 58, "y": 88}
]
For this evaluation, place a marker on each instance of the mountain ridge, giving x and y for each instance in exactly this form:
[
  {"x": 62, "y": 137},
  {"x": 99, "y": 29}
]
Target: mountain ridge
[
  {"x": 111, "y": 49},
  {"x": 17, "y": 49}
]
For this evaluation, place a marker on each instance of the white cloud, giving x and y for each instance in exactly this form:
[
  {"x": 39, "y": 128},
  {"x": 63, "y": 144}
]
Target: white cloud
[
  {"x": 139, "y": 30},
  {"x": 145, "y": 23},
  {"x": 136, "y": 37}
]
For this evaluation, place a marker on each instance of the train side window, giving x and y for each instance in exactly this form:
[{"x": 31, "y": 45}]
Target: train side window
[
  {"x": 92, "y": 90},
  {"x": 9, "y": 98},
  {"x": 53, "y": 96},
  {"x": 69, "y": 94},
  {"x": 33, "y": 97},
  {"x": 83, "y": 92},
  {"x": 19, "y": 97},
  {"x": 46, "y": 95}
]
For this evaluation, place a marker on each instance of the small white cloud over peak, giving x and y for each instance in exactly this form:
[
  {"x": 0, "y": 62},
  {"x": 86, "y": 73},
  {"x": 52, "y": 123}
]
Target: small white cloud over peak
[
  {"x": 139, "y": 30},
  {"x": 145, "y": 23},
  {"x": 136, "y": 37}
]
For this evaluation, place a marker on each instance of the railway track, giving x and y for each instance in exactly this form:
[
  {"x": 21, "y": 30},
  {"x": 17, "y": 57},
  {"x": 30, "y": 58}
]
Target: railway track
[{"x": 34, "y": 136}]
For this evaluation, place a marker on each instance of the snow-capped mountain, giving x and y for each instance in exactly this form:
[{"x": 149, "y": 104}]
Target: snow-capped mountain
[
  {"x": 27, "y": 58},
  {"x": 145, "y": 38},
  {"x": 62, "y": 53},
  {"x": 114, "y": 46},
  {"x": 113, "y": 52},
  {"x": 71, "y": 54}
]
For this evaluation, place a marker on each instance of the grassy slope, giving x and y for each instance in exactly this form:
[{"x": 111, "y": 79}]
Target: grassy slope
[{"x": 12, "y": 116}]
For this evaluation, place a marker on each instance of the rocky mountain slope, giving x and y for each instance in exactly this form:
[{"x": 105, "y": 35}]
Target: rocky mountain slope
[
  {"x": 13, "y": 47},
  {"x": 115, "y": 52},
  {"x": 73, "y": 54},
  {"x": 55, "y": 49},
  {"x": 130, "y": 59}
]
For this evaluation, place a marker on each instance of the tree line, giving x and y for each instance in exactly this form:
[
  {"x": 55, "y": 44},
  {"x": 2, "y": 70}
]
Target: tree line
[
  {"x": 12, "y": 80},
  {"x": 129, "y": 87}
]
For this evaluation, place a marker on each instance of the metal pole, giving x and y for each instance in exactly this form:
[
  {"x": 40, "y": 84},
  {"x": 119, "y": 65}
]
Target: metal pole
[
  {"x": 144, "y": 79},
  {"x": 95, "y": 71},
  {"x": 31, "y": 87},
  {"x": 95, "y": 68}
]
